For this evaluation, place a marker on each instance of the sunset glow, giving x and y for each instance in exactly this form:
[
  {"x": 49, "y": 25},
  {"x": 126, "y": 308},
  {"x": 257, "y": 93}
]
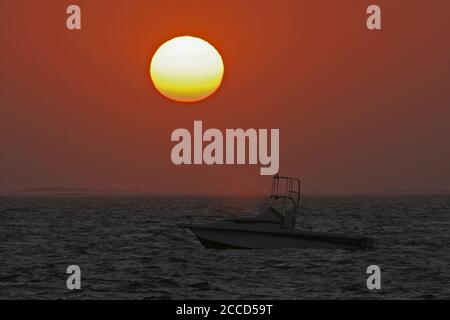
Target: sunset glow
[{"x": 187, "y": 69}]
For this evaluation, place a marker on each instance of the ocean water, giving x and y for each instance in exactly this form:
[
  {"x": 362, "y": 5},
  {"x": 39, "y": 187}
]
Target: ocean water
[{"x": 128, "y": 248}]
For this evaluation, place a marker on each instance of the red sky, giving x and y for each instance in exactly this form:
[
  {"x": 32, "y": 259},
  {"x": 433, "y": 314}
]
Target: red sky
[{"x": 358, "y": 110}]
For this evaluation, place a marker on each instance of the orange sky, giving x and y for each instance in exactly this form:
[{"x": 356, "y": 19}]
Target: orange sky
[{"x": 358, "y": 111}]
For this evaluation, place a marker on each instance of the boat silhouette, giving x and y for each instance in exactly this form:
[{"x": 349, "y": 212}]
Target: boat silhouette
[{"x": 274, "y": 227}]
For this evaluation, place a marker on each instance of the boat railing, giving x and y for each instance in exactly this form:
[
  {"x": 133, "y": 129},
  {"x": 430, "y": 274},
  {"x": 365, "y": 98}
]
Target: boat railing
[{"x": 285, "y": 189}]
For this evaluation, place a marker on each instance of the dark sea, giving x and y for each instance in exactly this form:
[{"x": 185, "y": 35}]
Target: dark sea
[{"x": 129, "y": 248}]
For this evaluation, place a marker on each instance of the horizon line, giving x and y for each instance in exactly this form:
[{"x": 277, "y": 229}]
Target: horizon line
[{"x": 69, "y": 191}]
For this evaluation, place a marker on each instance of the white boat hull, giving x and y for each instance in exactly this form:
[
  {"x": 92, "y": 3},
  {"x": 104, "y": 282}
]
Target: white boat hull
[{"x": 259, "y": 236}]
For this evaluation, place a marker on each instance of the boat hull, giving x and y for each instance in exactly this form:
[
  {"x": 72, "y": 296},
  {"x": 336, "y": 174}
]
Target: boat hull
[{"x": 257, "y": 237}]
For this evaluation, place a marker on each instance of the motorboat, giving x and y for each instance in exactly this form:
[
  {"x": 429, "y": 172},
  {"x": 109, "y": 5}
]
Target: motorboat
[{"x": 274, "y": 227}]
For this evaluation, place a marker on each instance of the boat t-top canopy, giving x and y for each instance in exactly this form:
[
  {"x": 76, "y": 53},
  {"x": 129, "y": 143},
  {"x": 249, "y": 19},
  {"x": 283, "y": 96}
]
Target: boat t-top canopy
[{"x": 287, "y": 191}]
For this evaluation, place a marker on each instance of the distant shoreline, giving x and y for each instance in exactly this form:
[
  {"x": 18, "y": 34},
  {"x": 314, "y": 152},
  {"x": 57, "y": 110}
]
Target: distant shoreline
[{"x": 90, "y": 192}]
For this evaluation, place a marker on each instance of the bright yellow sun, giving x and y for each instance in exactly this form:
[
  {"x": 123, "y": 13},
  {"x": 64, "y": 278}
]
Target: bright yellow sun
[{"x": 187, "y": 69}]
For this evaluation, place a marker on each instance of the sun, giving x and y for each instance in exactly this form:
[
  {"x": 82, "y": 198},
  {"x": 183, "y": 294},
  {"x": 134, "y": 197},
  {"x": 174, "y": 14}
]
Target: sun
[{"x": 187, "y": 69}]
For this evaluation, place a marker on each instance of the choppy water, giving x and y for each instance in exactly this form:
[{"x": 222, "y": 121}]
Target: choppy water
[{"x": 123, "y": 252}]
